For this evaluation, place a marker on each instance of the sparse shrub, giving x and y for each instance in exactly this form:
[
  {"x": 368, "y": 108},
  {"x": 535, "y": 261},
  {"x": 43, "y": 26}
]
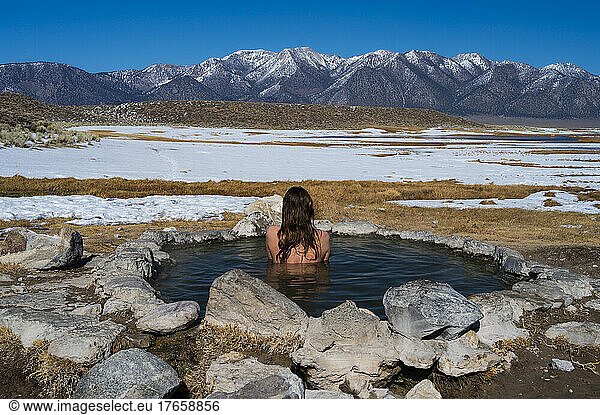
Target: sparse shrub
[{"x": 42, "y": 132}]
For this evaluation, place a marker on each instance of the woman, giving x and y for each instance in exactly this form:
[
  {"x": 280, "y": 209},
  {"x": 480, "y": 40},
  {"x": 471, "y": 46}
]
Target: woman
[{"x": 297, "y": 240}]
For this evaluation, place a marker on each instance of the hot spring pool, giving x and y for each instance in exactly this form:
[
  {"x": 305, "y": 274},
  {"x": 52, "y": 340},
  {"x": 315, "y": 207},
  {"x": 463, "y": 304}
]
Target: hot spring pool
[{"x": 360, "y": 269}]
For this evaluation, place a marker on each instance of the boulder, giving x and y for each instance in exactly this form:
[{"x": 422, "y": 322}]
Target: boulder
[
  {"x": 169, "y": 318},
  {"x": 593, "y": 304},
  {"x": 179, "y": 239},
  {"x": 476, "y": 247},
  {"x": 128, "y": 374},
  {"x": 349, "y": 349},
  {"x": 232, "y": 371},
  {"x": 429, "y": 309},
  {"x": 270, "y": 206},
  {"x": 325, "y": 394},
  {"x": 511, "y": 261},
  {"x": 425, "y": 389},
  {"x": 547, "y": 289},
  {"x": 236, "y": 298},
  {"x": 288, "y": 386},
  {"x": 49, "y": 301},
  {"x": 133, "y": 261},
  {"x": 381, "y": 393},
  {"x": 466, "y": 355},
  {"x": 575, "y": 332},
  {"x": 88, "y": 310},
  {"x": 354, "y": 228},
  {"x": 323, "y": 225},
  {"x": 87, "y": 344},
  {"x": 44, "y": 252},
  {"x": 255, "y": 224}
]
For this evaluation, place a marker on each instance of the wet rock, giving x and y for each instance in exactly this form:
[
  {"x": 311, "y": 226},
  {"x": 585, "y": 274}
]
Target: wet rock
[
  {"x": 179, "y": 239},
  {"x": 476, "y": 247},
  {"x": 351, "y": 349},
  {"x": 511, "y": 261},
  {"x": 232, "y": 371},
  {"x": 425, "y": 389},
  {"x": 128, "y": 374},
  {"x": 270, "y": 206},
  {"x": 236, "y": 298},
  {"x": 133, "y": 261},
  {"x": 323, "y": 225},
  {"x": 169, "y": 318},
  {"x": 255, "y": 224},
  {"x": 575, "y": 332},
  {"x": 288, "y": 386},
  {"x": 159, "y": 257},
  {"x": 429, "y": 309},
  {"x": 325, "y": 394},
  {"x": 354, "y": 227},
  {"x": 87, "y": 344},
  {"x": 546, "y": 289},
  {"x": 466, "y": 355},
  {"x": 563, "y": 365},
  {"x": 44, "y": 252}
]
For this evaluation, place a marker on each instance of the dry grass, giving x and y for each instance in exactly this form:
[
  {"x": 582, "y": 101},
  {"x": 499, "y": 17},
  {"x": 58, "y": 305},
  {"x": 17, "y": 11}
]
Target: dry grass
[
  {"x": 11, "y": 349},
  {"x": 487, "y": 202},
  {"x": 548, "y": 152},
  {"x": 551, "y": 203},
  {"x": 14, "y": 270}
]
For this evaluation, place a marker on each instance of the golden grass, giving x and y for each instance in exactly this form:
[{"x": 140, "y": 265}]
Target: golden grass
[
  {"x": 13, "y": 270},
  {"x": 589, "y": 140},
  {"x": 487, "y": 202},
  {"x": 551, "y": 203},
  {"x": 548, "y": 152},
  {"x": 11, "y": 349}
]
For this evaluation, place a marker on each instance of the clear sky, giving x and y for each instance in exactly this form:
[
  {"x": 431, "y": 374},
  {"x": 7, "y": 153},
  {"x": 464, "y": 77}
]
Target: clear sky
[{"x": 109, "y": 35}]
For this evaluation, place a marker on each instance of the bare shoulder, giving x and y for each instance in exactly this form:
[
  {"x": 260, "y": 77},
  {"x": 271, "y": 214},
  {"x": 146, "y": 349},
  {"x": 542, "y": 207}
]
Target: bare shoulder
[
  {"x": 272, "y": 231},
  {"x": 324, "y": 236}
]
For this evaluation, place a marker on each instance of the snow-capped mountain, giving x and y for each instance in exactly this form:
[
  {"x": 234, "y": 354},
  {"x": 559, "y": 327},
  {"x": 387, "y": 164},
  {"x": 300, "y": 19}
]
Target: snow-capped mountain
[{"x": 467, "y": 83}]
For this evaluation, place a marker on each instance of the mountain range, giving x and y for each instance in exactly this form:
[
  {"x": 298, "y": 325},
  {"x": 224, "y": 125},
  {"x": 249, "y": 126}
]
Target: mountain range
[{"x": 466, "y": 84}]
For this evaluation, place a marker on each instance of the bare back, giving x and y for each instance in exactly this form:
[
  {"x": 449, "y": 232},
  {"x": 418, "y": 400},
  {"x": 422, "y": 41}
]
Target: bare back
[{"x": 297, "y": 255}]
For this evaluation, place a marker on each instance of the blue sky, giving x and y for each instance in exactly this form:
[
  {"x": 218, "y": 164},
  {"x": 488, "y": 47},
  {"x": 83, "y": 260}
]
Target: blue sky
[{"x": 107, "y": 35}]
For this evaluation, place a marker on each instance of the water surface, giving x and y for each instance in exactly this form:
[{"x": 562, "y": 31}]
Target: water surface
[{"x": 360, "y": 269}]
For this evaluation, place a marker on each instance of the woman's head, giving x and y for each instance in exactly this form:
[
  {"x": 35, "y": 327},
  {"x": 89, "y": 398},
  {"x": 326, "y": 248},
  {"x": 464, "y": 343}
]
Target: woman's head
[{"x": 297, "y": 227}]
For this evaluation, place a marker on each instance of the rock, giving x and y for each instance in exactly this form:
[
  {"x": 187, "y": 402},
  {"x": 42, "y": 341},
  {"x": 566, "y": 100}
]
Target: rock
[
  {"x": 571, "y": 309},
  {"x": 429, "y": 309},
  {"x": 232, "y": 371},
  {"x": 499, "y": 315},
  {"x": 576, "y": 286},
  {"x": 323, "y": 225},
  {"x": 133, "y": 261},
  {"x": 381, "y": 393},
  {"x": 578, "y": 333},
  {"x": 169, "y": 318},
  {"x": 236, "y": 298},
  {"x": 511, "y": 261},
  {"x": 179, "y": 239},
  {"x": 546, "y": 289},
  {"x": 325, "y": 394},
  {"x": 593, "y": 304},
  {"x": 159, "y": 257},
  {"x": 466, "y": 355},
  {"x": 128, "y": 374},
  {"x": 563, "y": 365},
  {"x": 49, "y": 301},
  {"x": 44, "y": 252},
  {"x": 354, "y": 227},
  {"x": 87, "y": 345},
  {"x": 270, "y": 206},
  {"x": 425, "y": 389},
  {"x": 476, "y": 247},
  {"x": 255, "y": 224},
  {"x": 352, "y": 349},
  {"x": 30, "y": 325},
  {"x": 287, "y": 386},
  {"x": 88, "y": 310}
]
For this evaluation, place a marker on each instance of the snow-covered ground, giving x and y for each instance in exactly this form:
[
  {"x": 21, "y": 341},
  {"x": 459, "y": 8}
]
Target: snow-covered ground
[
  {"x": 91, "y": 210},
  {"x": 566, "y": 202},
  {"x": 201, "y": 154}
]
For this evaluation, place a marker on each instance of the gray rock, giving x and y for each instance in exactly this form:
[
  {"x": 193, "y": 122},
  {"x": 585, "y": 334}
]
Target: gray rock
[
  {"x": 270, "y": 206},
  {"x": 87, "y": 344},
  {"x": 425, "y": 389},
  {"x": 255, "y": 224},
  {"x": 133, "y": 261},
  {"x": 88, "y": 310},
  {"x": 578, "y": 333},
  {"x": 287, "y": 386},
  {"x": 169, "y": 318},
  {"x": 325, "y": 394},
  {"x": 128, "y": 374},
  {"x": 429, "y": 309},
  {"x": 476, "y": 247},
  {"x": 236, "y": 298},
  {"x": 466, "y": 355},
  {"x": 511, "y": 261},
  {"x": 159, "y": 257},
  {"x": 563, "y": 365},
  {"x": 354, "y": 227},
  {"x": 499, "y": 315},
  {"x": 381, "y": 393},
  {"x": 232, "y": 371},
  {"x": 49, "y": 301},
  {"x": 179, "y": 239},
  {"x": 351, "y": 347},
  {"x": 323, "y": 225},
  {"x": 44, "y": 252},
  {"x": 577, "y": 286},
  {"x": 593, "y": 304},
  {"x": 546, "y": 289}
]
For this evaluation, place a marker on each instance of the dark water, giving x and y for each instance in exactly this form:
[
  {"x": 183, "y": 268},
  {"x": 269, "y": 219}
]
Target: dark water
[{"x": 360, "y": 269}]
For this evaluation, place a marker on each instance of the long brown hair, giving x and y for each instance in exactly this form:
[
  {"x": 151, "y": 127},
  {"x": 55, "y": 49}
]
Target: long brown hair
[{"x": 297, "y": 228}]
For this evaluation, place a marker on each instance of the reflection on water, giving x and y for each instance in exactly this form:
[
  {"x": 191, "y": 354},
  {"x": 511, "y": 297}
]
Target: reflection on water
[{"x": 360, "y": 269}]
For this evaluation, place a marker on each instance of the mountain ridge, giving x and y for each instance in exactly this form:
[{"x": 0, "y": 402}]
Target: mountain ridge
[{"x": 466, "y": 84}]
